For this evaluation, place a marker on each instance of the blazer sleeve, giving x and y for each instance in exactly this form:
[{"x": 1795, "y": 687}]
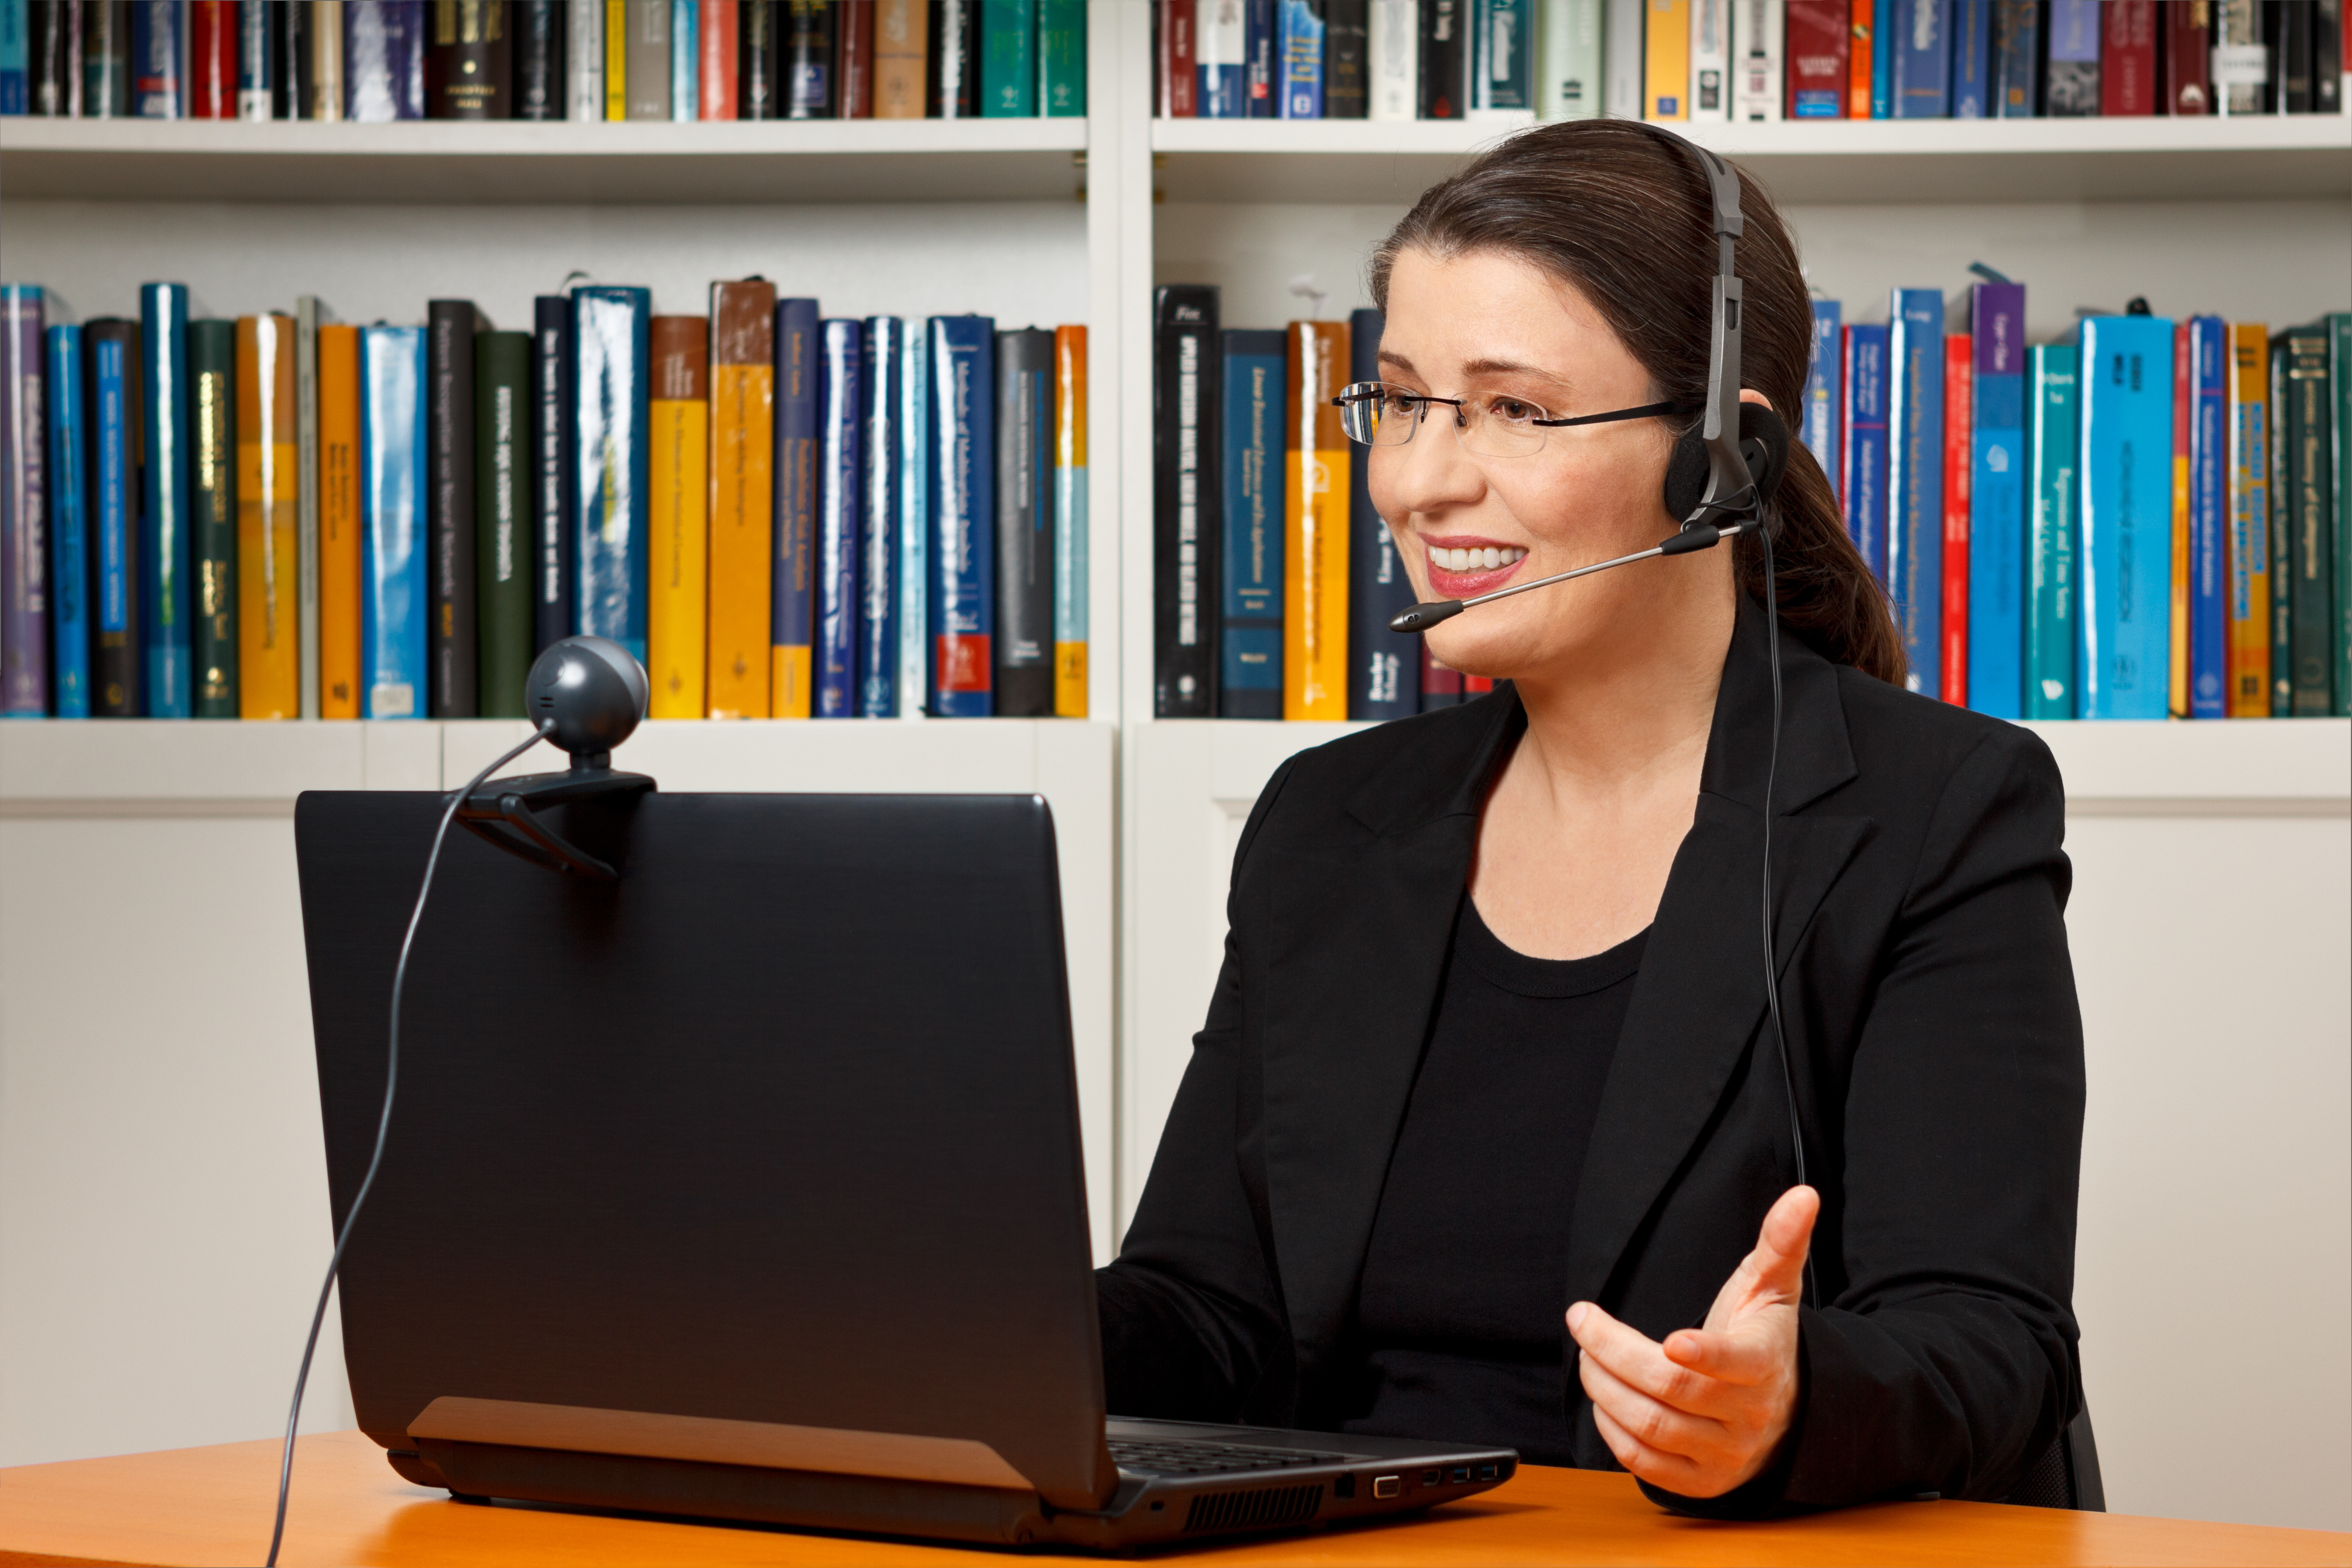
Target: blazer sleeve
[
  {"x": 1191, "y": 1315},
  {"x": 1948, "y": 1361}
]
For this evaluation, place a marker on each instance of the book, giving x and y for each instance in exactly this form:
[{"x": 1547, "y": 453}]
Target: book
[
  {"x": 48, "y": 58},
  {"x": 341, "y": 527},
  {"x": 2187, "y": 57},
  {"x": 914, "y": 526},
  {"x": 2287, "y": 29},
  {"x": 2017, "y": 58},
  {"x": 2128, "y": 78},
  {"x": 1972, "y": 67},
  {"x": 468, "y": 61},
  {"x": 2184, "y": 406},
  {"x": 2327, "y": 57},
  {"x": 1061, "y": 57},
  {"x": 1886, "y": 43},
  {"x": 106, "y": 59},
  {"x": 259, "y": 36},
  {"x": 1502, "y": 35},
  {"x": 2125, "y": 512},
  {"x": 901, "y": 34},
  {"x": 166, "y": 541},
  {"x": 1443, "y": 56},
  {"x": 962, "y": 608},
  {"x": 25, "y": 591},
  {"x": 328, "y": 83},
  {"x": 1070, "y": 513},
  {"x": 1023, "y": 646},
  {"x": 212, "y": 34},
  {"x": 450, "y": 326},
  {"x": 1996, "y": 563},
  {"x": 554, "y": 473},
  {"x": 2339, "y": 382},
  {"x": 1819, "y": 44},
  {"x": 1863, "y": 462},
  {"x": 540, "y": 64},
  {"x": 213, "y": 472},
  {"x": 1862, "y": 59},
  {"x": 306, "y": 498},
  {"x": 1298, "y": 56},
  {"x": 2310, "y": 435},
  {"x": 1960, "y": 420},
  {"x": 295, "y": 91},
  {"x": 610, "y": 328},
  {"x": 158, "y": 78},
  {"x": 854, "y": 60},
  {"x": 742, "y": 495},
  {"x": 1347, "y": 59},
  {"x": 615, "y": 68},
  {"x": 646, "y": 65},
  {"x": 2053, "y": 464},
  {"x": 718, "y": 52},
  {"x": 1260, "y": 25},
  {"x": 2071, "y": 59},
  {"x": 952, "y": 64},
  {"x": 1923, "y": 59},
  {"x": 67, "y": 482},
  {"x": 1760, "y": 64},
  {"x": 393, "y": 462},
  {"x": 268, "y": 553},
  {"x": 584, "y": 58},
  {"x": 2249, "y": 650},
  {"x": 383, "y": 60},
  {"x": 1381, "y": 682},
  {"x": 1221, "y": 37},
  {"x": 2209, "y": 531},
  {"x": 1254, "y": 482},
  {"x": 1621, "y": 43},
  {"x": 1915, "y": 479},
  {"x": 118, "y": 668},
  {"x": 1008, "y": 58},
  {"x": 503, "y": 553},
  {"x": 1176, "y": 60},
  {"x": 1316, "y": 500},
  {"x": 1568, "y": 45},
  {"x": 2281, "y": 491},
  {"x": 805, "y": 63},
  {"x": 1821, "y": 427},
  {"x": 1710, "y": 90},
  {"x": 759, "y": 67},
  {"x": 685, "y": 60},
  {"x": 878, "y": 520},
  {"x": 677, "y": 547},
  {"x": 792, "y": 603},
  {"x": 2241, "y": 64},
  {"x": 1186, "y": 520},
  {"x": 1440, "y": 684},
  {"x": 1665, "y": 61}
]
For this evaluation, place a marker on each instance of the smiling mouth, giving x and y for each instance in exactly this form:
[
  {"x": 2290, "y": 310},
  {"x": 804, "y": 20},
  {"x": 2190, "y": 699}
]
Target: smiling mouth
[{"x": 1460, "y": 571}]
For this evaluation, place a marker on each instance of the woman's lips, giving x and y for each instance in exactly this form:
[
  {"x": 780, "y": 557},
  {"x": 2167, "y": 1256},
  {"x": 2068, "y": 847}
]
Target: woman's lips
[{"x": 1466, "y": 569}]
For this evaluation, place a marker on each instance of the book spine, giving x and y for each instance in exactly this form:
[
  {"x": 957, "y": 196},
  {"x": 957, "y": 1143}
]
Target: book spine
[
  {"x": 1923, "y": 59},
  {"x": 449, "y": 328},
  {"x": 118, "y": 668},
  {"x": 914, "y": 521},
  {"x": 715, "y": 62},
  {"x": 2281, "y": 491},
  {"x": 759, "y": 50},
  {"x": 2017, "y": 58},
  {"x": 383, "y": 60},
  {"x": 158, "y": 78},
  {"x": 1760, "y": 58},
  {"x": 1315, "y": 564},
  {"x": 1888, "y": 45},
  {"x": 2327, "y": 60},
  {"x": 1185, "y": 512},
  {"x": 685, "y": 60},
  {"x": 2240, "y": 63},
  {"x": 502, "y": 519},
  {"x": 212, "y": 35},
  {"x": 584, "y": 59},
  {"x": 1819, "y": 48},
  {"x": 1960, "y": 431},
  {"x": 677, "y": 547},
  {"x": 615, "y": 66},
  {"x": 468, "y": 62},
  {"x": 1996, "y": 504},
  {"x": 306, "y": 502},
  {"x": 1569, "y": 66},
  {"x": 807, "y": 62},
  {"x": 106, "y": 59},
  {"x": 1972, "y": 71},
  {"x": 2070, "y": 61},
  {"x": 1347, "y": 59},
  {"x": 1825, "y": 394},
  {"x": 2127, "y": 80},
  {"x": 792, "y": 606},
  {"x": 2184, "y": 406},
  {"x": 329, "y": 84},
  {"x": 2339, "y": 382},
  {"x": 1710, "y": 88},
  {"x": 1861, "y": 59},
  {"x": 2126, "y": 402},
  {"x": 2209, "y": 494},
  {"x": 1176, "y": 52},
  {"x": 1440, "y": 684},
  {"x": 1298, "y": 59},
  {"x": 1382, "y": 681},
  {"x": 1665, "y": 61},
  {"x": 2288, "y": 27},
  {"x": 1393, "y": 56},
  {"x": 2188, "y": 57},
  {"x": 257, "y": 72},
  {"x": 610, "y": 325},
  {"x": 2250, "y": 521},
  {"x": 854, "y": 60},
  {"x": 646, "y": 65},
  {"x": 964, "y": 521},
  {"x": 954, "y": 60},
  {"x": 878, "y": 544},
  {"x": 554, "y": 473},
  {"x": 540, "y": 65},
  {"x": 1444, "y": 59},
  {"x": 1023, "y": 646},
  {"x": 393, "y": 486},
  {"x": 1253, "y": 488},
  {"x": 2311, "y": 434},
  {"x": 67, "y": 477},
  {"x": 1503, "y": 78},
  {"x": 212, "y": 639},
  {"x": 1070, "y": 577},
  {"x": 1008, "y": 58},
  {"x": 269, "y": 663},
  {"x": 1864, "y": 467},
  {"x": 2054, "y": 462},
  {"x": 1223, "y": 39},
  {"x": 1061, "y": 57},
  {"x": 341, "y": 555},
  {"x": 839, "y": 515},
  {"x": 25, "y": 587},
  {"x": 39, "y": 82},
  {"x": 1261, "y": 68},
  {"x": 1915, "y": 479},
  {"x": 290, "y": 26},
  {"x": 742, "y": 494},
  {"x": 166, "y": 545}
]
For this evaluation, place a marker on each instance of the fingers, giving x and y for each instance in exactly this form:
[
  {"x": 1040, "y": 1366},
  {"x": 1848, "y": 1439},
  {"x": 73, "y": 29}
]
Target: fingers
[
  {"x": 1674, "y": 1472},
  {"x": 1640, "y": 1363},
  {"x": 1654, "y": 1423},
  {"x": 1773, "y": 1272}
]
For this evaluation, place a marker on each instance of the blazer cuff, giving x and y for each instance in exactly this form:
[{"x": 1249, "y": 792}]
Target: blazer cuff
[{"x": 1765, "y": 1494}]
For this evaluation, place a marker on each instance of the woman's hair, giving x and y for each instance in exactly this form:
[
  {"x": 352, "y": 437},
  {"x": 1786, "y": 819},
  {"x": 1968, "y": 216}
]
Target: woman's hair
[{"x": 1628, "y": 218}]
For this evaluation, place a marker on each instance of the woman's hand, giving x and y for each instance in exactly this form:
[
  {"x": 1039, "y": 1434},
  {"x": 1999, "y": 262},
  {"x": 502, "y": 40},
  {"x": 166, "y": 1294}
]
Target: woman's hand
[{"x": 1704, "y": 1412}]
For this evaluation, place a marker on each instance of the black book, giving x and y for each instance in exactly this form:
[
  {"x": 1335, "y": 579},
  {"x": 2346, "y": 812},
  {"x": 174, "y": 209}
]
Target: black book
[
  {"x": 2306, "y": 426},
  {"x": 1186, "y": 505},
  {"x": 539, "y": 59},
  {"x": 1346, "y": 54},
  {"x": 53, "y": 53},
  {"x": 758, "y": 48},
  {"x": 106, "y": 59},
  {"x": 552, "y": 479},
  {"x": 449, "y": 328},
  {"x": 294, "y": 74},
  {"x": 1444, "y": 59},
  {"x": 810, "y": 91},
  {"x": 2327, "y": 57},
  {"x": 212, "y": 371},
  {"x": 468, "y": 61},
  {"x": 116, "y": 689},
  {"x": 1024, "y": 641},
  {"x": 1383, "y": 668},
  {"x": 502, "y": 518},
  {"x": 953, "y": 60}
]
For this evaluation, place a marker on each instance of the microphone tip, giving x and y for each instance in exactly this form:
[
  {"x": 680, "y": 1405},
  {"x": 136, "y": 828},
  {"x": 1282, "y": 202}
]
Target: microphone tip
[{"x": 1421, "y": 618}]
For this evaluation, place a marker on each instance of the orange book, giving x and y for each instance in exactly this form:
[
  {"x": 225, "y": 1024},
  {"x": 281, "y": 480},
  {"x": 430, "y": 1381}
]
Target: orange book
[
  {"x": 1960, "y": 454},
  {"x": 1859, "y": 63},
  {"x": 678, "y": 515},
  {"x": 1315, "y": 566},
  {"x": 902, "y": 35},
  {"x": 1665, "y": 55},
  {"x": 742, "y": 542},
  {"x": 338, "y": 522},
  {"x": 269, "y": 653},
  {"x": 1069, "y": 522},
  {"x": 2184, "y": 401},
  {"x": 2248, "y": 651}
]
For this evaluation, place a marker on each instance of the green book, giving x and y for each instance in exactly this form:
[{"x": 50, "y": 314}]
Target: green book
[
  {"x": 503, "y": 549},
  {"x": 1008, "y": 58},
  {"x": 212, "y": 374},
  {"x": 2282, "y": 495},
  {"x": 1061, "y": 58},
  {"x": 2339, "y": 382},
  {"x": 2052, "y": 457},
  {"x": 2310, "y": 431}
]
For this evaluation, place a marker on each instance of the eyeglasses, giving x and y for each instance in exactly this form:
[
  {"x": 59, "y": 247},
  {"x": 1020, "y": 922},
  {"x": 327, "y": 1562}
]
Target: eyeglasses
[{"x": 1493, "y": 425}]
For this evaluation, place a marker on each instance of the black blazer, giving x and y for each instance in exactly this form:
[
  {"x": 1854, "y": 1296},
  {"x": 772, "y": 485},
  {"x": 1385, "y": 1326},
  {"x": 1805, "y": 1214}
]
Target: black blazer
[{"x": 1917, "y": 889}]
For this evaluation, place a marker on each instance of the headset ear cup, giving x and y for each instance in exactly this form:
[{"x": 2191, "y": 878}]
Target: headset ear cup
[
  {"x": 1764, "y": 442},
  {"x": 1687, "y": 472}
]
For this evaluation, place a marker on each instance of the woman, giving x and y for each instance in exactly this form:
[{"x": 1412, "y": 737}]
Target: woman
[{"x": 1488, "y": 1137}]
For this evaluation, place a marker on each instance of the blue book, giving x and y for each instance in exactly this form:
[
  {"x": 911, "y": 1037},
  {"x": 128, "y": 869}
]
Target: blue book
[
  {"x": 1883, "y": 49},
  {"x": 840, "y": 513},
  {"x": 1221, "y": 53},
  {"x": 115, "y": 666},
  {"x": 1825, "y": 394},
  {"x": 1249, "y": 640},
  {"x": 1923, "y": 59},
  {"x": 2126, "y": 517},
  {"x": 159, "y": 88},
  {"x": 1997, "y": 502},
  {"x": 1972, "y": 68},
  {"x": 1300, "y": 51},
  {"x": 383, "y": 60},
  {"x": 964, "y": 515},
  {"x": 914, "y": 521},
  {"x": 1383, "y": 669},
  {"x": 391, "y": 522},
  {"x": 256, "y": 65},
  {"x": 2017, "y": 58},
  {"x": 26, "y": 599},
  {"x": 167, "y": 522},
  {"x": 1863, "y": 462},
  {"x": 2208, "y": 517},
  {"x": 612, "y": 385},
  {"x": 1502, "y": 53},
  {"x": 554, "y": 471},
  {"x": 877, "y": 567},
  {"x": 2053, "y": 600},
  {"x": 1915, "y": 482},
  {"x": 792, "y": 606},
  {"x": 69, "y": 527},
  {"x": 685, "y": 59},
  {"x": 1260, "y": 73},
  {"x": 13, "y": 97}
]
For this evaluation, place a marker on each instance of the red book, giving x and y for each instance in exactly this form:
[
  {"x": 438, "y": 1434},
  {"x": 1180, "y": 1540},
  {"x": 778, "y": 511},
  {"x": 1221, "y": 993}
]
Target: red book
[
  {"x": 2188, "y": 57},
  {"x": 1858, "y": 64},
  {"x": 1959, "y": 452},
  {"x": 1820, "y": 43},
  {"x": 718, "y": 63},
  {"x": 1476, "y": 686},
  {"x": 1179, "y": 76},
  {"x": 2127, "y": 58},
  {"x": 1441, "y": 685},
  {"x": 856, "y": 100},
  {"x": 212, "y": 59}
]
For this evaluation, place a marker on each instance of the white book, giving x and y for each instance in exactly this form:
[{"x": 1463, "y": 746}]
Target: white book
[
  {"x": 584, "y": 60},
  {"x": 1758, "y": 39},
  {"x": 1621, "y": 38},
  {"x": 1221, "y": 50},
  {"x": 1568, "y": 59},
  {"x": 326, "y": 59},
  {"x": 1710, "y": 58},
  {"x": 1396, "y": 59},
  {"x": 914, "y": 517}
]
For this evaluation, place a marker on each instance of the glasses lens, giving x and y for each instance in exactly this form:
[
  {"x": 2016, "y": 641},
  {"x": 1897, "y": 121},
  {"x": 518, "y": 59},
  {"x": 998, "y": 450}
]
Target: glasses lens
[
  {"x": 1375, "y": 414},
  {"x": 1498, "y": 425}
]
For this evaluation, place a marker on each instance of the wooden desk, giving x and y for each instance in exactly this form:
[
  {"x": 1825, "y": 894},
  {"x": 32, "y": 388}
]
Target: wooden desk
[{"x": 212, "y": 1505}]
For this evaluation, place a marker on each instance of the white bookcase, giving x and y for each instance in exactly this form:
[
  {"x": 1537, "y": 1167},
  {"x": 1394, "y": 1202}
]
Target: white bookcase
[{"x": 162, "y": 1193}]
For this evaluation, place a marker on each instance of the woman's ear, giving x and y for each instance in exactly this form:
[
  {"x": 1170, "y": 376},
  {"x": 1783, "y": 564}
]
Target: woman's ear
[{"x": 1749, "y": 394}]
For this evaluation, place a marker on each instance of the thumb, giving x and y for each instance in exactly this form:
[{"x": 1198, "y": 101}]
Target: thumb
[{"x": 1783, "y": 1243}]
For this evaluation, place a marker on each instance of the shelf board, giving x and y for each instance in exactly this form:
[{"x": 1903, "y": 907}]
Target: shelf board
[
  {"x": 1801, "y": 162},
  {"x": 520, "y": 161}
]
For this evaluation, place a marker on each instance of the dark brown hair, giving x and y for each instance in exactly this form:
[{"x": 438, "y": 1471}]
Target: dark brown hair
[{"x": 1625, "y": 215}]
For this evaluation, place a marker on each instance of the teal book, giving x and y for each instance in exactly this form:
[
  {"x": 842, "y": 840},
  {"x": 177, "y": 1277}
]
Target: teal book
[
  {"x": 1249, "y": 632},
  {"x": 69, "y": 574},
  {"x": 611, "y": 328},
  {"x": 167, "y": 526},
  {"x": 1008, "y": 58},
  {"x": 2340, "y": 381},
  {"x": 1915, "y": 482},
  {"x": 1061, "y": 58},
  {"x": 391, "y": 522},
  {"x": 1996, "y": 607},
  {"x": 2126, "y": 517},
  {"x": 2053, "y": 441}
]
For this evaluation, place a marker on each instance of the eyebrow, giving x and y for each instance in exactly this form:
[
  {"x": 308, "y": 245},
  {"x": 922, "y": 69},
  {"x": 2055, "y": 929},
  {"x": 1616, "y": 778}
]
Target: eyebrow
[{"x": 1480, "y": 367}]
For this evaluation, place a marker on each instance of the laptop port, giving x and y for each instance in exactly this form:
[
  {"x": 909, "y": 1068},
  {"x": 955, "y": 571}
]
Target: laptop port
[
  {"x": 1432, "y": 1478},
  {"x": 1486, "y": 1472},
  {"x": 1387, "y": 1486},
  {"x": 1343, "y": 1487},
  {"x": 1461, "y": 1473}
]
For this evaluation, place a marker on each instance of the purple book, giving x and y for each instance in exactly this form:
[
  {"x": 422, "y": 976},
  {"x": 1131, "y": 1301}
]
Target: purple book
[
  {"x": 383, "y": 60},
  {"x": 23, "y": 533}
]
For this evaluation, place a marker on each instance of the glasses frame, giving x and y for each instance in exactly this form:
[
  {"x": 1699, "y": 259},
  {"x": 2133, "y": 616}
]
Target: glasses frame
[{"x": 1360, "y": 392}]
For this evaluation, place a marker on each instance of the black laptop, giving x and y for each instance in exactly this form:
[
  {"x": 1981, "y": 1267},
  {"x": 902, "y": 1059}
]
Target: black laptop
[{"x": 748, "y": 1186}]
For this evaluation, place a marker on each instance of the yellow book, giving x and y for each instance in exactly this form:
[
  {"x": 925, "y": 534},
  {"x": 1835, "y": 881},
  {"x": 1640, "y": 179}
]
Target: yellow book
[
  {"x": 617, "y": 60},
  {"x": 338, "y": 522},
  {"x": 1070, "y": 522},
  {"x": 2184, "y": 403},
  {"x": 1665, "y": 57},
  {"x": 742, "y": 505},
  {"x": 270, "y": 656},
  {"x": 1315, "y": 574},
  {"x": 2248, "y": 651},
  {"x": 678, "y": 516}
]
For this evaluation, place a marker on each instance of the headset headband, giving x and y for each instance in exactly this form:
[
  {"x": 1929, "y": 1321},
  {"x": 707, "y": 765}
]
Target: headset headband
[{"x": 1727, "y": 471}]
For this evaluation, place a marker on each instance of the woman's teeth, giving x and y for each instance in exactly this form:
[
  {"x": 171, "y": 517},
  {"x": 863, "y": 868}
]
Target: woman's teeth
[{"x": 1485, "y": 560}]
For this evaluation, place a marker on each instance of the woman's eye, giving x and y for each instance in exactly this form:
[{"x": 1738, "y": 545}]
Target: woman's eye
[
  {"x": 1512, "y": 409},
  {"x": 1399, "y": 405}
]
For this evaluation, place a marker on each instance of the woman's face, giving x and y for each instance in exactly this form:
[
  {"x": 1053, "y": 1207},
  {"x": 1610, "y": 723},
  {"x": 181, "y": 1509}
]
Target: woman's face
[{"x": 1496, "y": 329}]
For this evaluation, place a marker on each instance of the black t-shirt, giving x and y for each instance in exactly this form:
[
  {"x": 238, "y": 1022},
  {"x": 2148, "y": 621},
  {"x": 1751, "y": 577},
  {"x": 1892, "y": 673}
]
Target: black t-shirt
[{"x": 1460, "y": 1313}]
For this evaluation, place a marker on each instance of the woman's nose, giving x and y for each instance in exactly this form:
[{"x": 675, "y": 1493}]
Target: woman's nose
[{"x": 1431, "y": 473}]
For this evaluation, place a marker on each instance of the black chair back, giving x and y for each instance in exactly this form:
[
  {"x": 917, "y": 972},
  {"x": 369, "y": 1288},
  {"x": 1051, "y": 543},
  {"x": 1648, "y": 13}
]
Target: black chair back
[{"x": 2067, "y": 1474}]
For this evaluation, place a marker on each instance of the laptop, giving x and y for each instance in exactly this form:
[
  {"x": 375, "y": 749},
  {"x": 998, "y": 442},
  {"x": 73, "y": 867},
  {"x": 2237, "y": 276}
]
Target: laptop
[{"x": 748, "y": 1186}]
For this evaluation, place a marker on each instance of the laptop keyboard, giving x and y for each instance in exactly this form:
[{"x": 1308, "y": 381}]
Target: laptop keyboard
[{"x": 1182, "y": 1458}]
